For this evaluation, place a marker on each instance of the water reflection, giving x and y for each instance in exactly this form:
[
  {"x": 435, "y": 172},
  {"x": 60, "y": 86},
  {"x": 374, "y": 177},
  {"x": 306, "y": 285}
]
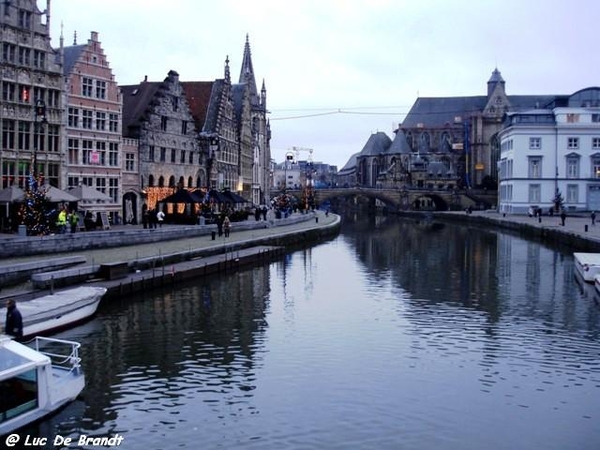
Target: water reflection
[{"x": 395, "y": 335}]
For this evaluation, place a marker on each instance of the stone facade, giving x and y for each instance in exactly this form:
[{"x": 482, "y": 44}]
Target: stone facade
[
  {"x": 158, "y": 116},
  {"x": 31, "y": 74}
]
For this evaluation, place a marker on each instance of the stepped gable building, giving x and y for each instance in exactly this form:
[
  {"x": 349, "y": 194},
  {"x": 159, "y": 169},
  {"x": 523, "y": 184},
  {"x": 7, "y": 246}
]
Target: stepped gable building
[
  {"x": 157, "y": 115},
  {"x": 92, "y": 136},
  {"x": 31, "y": 85}
]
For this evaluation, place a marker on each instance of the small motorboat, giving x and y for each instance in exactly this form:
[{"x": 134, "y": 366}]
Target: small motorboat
[
  {"x": 58, "y": 311},
  {"x": 36, "y": 379},
  {"x": 587, "y": 265}
]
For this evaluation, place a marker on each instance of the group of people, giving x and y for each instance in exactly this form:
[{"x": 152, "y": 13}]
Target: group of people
[
  {"x": 66, "y": 219},
  {"x": 152, "y": 218}
]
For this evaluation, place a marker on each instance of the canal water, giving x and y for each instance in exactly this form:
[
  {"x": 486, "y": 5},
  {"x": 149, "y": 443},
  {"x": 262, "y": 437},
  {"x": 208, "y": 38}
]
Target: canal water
[{"x": 397, "y": 334}]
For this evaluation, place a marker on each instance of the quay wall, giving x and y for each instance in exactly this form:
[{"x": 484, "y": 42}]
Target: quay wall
[{"x": 12, "y": 246}]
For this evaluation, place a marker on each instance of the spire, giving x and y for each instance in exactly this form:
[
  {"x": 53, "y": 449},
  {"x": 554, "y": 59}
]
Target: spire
[
  {"x": 247, "y": 71},
  {"x": 494, "y": 80},
  {"x": 227, "y": 74},
  {"x": 74, "y": 37}
]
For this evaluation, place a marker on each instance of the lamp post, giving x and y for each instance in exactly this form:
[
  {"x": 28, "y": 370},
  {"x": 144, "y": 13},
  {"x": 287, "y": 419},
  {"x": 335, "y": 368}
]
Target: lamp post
[
  {"x": 39, "y": 119},
  {"x": 289, "y": 156}
]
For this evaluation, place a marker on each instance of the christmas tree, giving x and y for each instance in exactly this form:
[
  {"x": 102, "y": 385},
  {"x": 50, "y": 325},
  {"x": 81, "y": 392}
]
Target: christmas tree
[{"x": 36, "y": 212}]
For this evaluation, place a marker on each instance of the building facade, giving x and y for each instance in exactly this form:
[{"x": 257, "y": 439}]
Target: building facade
[
  {"x": 93, "y": 129},
  {"x": 550, "y": 157},
  {"x": 157, "y": 116},
  {"x": 31, "y": 85}
]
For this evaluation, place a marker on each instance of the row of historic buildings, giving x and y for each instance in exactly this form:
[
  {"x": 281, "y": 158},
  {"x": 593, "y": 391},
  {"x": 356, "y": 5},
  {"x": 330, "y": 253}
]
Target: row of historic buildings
[
  {"x": 528, "y": 147},
  {"x": 65, "y": 117}
]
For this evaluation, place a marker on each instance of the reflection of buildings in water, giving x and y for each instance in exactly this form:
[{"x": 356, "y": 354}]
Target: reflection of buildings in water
[{"x": 178, "y": 336}]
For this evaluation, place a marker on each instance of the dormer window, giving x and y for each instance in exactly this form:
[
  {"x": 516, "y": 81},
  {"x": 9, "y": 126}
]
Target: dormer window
[{"x": 498, "y": 100}]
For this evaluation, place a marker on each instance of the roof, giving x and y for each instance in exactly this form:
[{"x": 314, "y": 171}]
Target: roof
[
  {"x": 377, "y": 144},
  {"x": 136, "y": 100},
  {"x": 441, "y": 111},
  {"x": 212, "y": 113},
  {"x": 71, "y": 55},
  {"x": 399, "y": 144},
  {"x": 198, "y": 95},
  {"x": 350, "y": 165}
]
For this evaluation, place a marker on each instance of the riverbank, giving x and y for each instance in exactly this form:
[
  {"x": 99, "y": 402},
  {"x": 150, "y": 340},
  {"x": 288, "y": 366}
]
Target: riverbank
[{"x": 154, "y": 253}]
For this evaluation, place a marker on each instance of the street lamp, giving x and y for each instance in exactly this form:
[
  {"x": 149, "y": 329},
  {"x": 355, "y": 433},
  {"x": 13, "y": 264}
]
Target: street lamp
[
  {"x": 289, "y": 156},
  {"x": 39, "y": 119}
]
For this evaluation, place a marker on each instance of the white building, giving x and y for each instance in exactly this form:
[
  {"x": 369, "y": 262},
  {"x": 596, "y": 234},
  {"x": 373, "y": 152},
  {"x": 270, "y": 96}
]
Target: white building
[{"x": 552, "y": 150}]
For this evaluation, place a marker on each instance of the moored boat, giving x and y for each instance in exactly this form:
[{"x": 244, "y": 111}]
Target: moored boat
[
  {"x": 36, "y": 379},
  {"x": 587, "y": 265},
  {"x": 58, "y": 311}
]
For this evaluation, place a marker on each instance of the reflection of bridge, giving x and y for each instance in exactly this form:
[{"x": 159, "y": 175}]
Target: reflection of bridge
[{"x": 411, "y": 199}]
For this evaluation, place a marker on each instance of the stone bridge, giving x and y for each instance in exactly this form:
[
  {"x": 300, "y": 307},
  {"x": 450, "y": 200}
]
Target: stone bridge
[{"x": 411, "y": 199}]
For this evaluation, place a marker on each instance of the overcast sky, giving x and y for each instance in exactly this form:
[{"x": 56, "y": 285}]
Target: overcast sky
[{"x": 338, "y": 70}]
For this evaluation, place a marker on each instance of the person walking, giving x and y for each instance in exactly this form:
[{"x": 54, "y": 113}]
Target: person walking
[
  {"x": 226, "y": 226},
  {"x": 593, "y": 216},
  {"x": 62, "y": 220},
  {"x": 74, "y": 221},
  {"x": 160, "y": 217},
  {"x": 563, "y": 217},
  {"x": 14, "y": 322}
]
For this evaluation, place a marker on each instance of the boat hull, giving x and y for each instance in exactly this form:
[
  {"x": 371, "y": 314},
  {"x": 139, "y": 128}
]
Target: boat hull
[{"x": 587, "y": 265}]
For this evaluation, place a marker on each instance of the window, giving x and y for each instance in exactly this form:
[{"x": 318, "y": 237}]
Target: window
[
  {"x": 173, "y": 155},
  {"x": 572, "y": 142},
  {"x": 175, "y": 103},
  {"x": 8, "y": 92},
  {"x": 163, "y": 123},
  {"x": 100, "y": 120},
  {"x": 572, "y": 167},
  {"x": 535, "y": 167},
  {"x": 596, "y": 143},
  {"x": 163, "y": 154},
  {"x": 9, "y": 52},
  {"x": 151, "y": 153},
  {"x": 535, "y": 143},
  {"x": 87, "y": 119},
  {"x": 191, "y": 161},
  {"x": 72, "y": 182},
  {"x": 101, "y": 184},
  {"x": 101, "y": 148},
  {"x": 534, "y": 193},
  {"x": 87, "y": 87},
  {"x": 113, "y": 189},
  {"x": 24, "y": 19},
  {"x": 572, "y": 193},
  {"x": 113, "y": 154},
  {"x": 113, "y": 123},
  {"x": 73, "y": 150},
  {"x": 182, "y": 157},
  {"x": 130, "y": 162},
  {"x": 54, "y": 98},
  {"x": 596, "y": 167},
  {"x": 53, "y": 138},
  {"x": 8, "y": 134},
  {"x": 87, "y": 181},
  {"x": 39, "y": 59},
  {"x": 23, "y": 134},
  {"x": 24, "y": 56},
  {"x": 24, "y": 94},
  {"x": 100, "y": 89},
  {"x": 73, "y": 120},
  {"x": 184, "y": 127},
  {"x": 87, "y": 147}
]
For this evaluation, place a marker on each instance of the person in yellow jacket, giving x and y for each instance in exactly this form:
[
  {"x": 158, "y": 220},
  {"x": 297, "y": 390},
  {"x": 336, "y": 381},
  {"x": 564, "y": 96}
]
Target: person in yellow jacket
[{"x": 62, "y": 220}]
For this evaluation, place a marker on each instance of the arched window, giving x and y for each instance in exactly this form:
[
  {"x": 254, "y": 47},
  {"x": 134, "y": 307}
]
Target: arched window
[
  {"x": 151, "y": 181},
  {"x": 446, "y": 142},
  {"x": 190, "y": 183},
  {"x": 161, "y": 181},
  {"x": 409, "y": 140},
  {"x": 425, "y": 143},
  {"x": 171, "y": 181}
]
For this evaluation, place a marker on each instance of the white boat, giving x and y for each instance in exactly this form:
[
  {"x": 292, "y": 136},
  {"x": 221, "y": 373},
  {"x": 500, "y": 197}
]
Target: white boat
[
  {"x": 587, "y": 265},
  {"x": 36, "y": 380},
  {"x": 58, "y": 311}
]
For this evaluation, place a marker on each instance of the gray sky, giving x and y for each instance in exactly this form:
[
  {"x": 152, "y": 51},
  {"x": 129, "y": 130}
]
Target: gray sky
[{"x": 354, "y": 67}]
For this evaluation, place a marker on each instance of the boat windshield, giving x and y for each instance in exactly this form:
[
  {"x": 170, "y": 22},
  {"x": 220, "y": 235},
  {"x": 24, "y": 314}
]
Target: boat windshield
[{"x": 18, "y": 394}]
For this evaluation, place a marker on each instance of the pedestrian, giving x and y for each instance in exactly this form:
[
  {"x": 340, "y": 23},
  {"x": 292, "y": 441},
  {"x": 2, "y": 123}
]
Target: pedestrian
[
  {"x": 74, "y": 221},
  {"x": 226, "y": 226},
  {"x": 593, "y": 216},
  {"x": 14, "y": 321},
  {"x": 563, "y": 216},
  {"x": 160, "y": 217},
  {"x": 62, "y": 220},
  {"x": 220, "y": 225},
  {"x": 145, "y": 216}
]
